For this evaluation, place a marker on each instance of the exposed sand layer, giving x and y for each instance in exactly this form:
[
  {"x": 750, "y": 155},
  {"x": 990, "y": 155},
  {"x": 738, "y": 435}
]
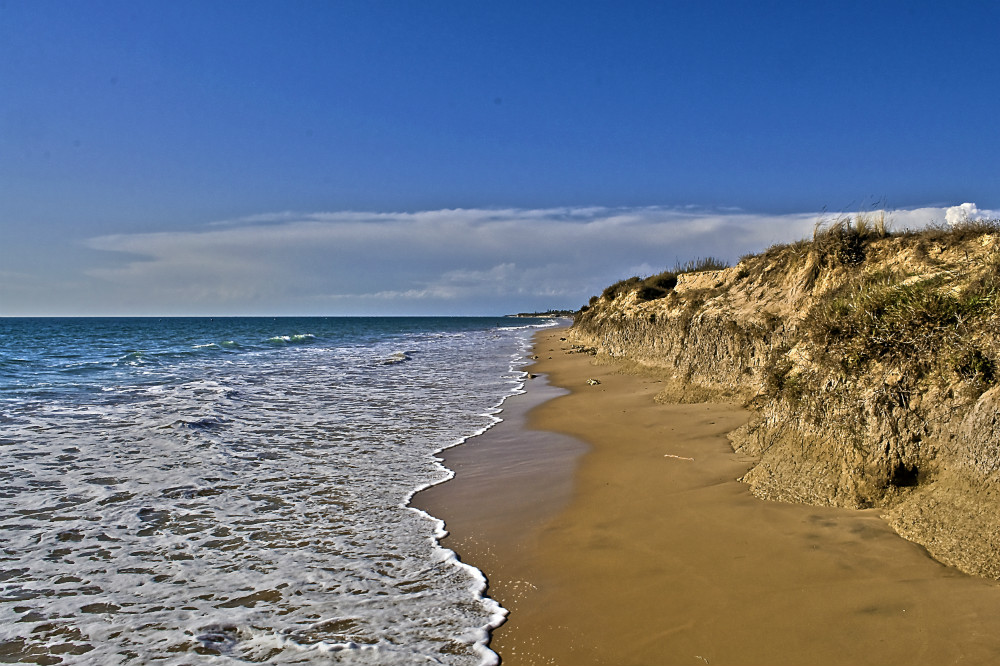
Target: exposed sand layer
[{"x": 646, "y": 550}]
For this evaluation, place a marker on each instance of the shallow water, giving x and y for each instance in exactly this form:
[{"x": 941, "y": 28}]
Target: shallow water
[{"x": 192, "y": 490}]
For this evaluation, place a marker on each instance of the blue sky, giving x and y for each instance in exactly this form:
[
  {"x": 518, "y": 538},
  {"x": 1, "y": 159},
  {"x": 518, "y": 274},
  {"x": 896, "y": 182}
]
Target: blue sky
[{"x": 466, "y": 157}]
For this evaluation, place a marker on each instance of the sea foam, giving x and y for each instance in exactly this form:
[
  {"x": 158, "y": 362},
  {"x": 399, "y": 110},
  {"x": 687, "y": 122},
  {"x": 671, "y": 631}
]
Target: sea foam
[{"x": 248, "y": 507}]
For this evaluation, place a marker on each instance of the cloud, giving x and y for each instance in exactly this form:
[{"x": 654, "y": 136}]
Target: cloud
[
  {"x": 450, "y": 261},
  {"x": 464, "y": 256},
  {"x": 967, "y": 212}
]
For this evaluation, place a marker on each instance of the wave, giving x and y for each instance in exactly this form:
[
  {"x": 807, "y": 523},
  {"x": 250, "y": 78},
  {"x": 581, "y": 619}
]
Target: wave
[
  {"x": 546, "y": 324},
  {"x": 135, "y": 357},
  {"x": 225, "y": 344},
  {"x": 303, "y": 338}
]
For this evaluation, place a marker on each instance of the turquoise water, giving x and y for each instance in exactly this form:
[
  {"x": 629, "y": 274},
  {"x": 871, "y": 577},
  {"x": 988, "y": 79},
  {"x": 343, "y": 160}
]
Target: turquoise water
[{"x": 180, "y": 491}]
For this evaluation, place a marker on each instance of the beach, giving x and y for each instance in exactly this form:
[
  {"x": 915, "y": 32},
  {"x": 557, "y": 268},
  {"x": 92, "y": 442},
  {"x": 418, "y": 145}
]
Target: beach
[{"x": 614, "y": 529}]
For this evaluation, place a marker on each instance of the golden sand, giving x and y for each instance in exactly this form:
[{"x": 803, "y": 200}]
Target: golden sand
[{"x": 614, "y": 530}]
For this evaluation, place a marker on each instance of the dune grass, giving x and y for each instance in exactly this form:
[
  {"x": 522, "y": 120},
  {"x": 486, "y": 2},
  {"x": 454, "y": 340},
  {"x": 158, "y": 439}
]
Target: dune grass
[
  {"x": 660, "y": 284},
  {"x": 910, "y": 317}
]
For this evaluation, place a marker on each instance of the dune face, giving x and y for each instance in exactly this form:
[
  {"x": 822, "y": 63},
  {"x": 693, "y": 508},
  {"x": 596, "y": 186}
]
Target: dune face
[{"x": 869, "y": 362}]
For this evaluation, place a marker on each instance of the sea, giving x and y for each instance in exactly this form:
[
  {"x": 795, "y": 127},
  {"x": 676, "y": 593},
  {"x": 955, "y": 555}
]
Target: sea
[{"x": 228, "y": 490}]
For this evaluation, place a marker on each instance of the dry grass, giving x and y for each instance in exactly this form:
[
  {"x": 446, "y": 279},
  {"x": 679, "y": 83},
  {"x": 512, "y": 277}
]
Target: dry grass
[
  {"x": 621, "y": 287},
  {"x": 661, "y": 284},
  {"x": 950, "y": 236},
  {"x": 919, "y": 327}
]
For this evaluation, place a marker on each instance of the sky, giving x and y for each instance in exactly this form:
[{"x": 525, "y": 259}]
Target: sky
[{"x": 371, "y": 158}]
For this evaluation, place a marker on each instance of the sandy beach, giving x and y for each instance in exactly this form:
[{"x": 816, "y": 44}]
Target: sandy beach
[{"x": 615, "y": 531}]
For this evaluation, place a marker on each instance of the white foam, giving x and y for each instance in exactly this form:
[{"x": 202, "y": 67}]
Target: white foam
[
  {"x": 299, "y": 337},
  {"x": 230, "y": 506}
]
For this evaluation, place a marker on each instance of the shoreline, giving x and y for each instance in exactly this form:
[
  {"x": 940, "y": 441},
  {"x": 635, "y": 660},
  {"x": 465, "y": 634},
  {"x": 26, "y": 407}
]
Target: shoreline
[
  {"x": 508, "y": 482},
  {"x": 627, "y": 539}
]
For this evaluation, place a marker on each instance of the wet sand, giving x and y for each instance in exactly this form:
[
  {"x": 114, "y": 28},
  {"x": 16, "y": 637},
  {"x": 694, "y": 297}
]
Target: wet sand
[{"x": 615, "y": 532}]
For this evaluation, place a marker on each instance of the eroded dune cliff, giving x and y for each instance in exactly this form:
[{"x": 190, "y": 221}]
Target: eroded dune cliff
[{"x": 870, "y": 361}]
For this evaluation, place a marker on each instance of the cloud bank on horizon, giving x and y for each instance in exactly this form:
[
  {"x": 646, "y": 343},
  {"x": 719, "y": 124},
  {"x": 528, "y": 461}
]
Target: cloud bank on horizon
[{"x": 448, "y": 262}]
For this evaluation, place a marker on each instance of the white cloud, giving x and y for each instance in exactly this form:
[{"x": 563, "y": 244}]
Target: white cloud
[
  {"x": 967, "y": 212},
  {"x": 446, "y": 255},
  {"x": 442, "y": 261}
]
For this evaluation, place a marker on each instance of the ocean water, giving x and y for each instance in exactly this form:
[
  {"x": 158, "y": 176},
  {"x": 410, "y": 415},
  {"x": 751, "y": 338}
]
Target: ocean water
[{"x": 214, "y": 491}]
